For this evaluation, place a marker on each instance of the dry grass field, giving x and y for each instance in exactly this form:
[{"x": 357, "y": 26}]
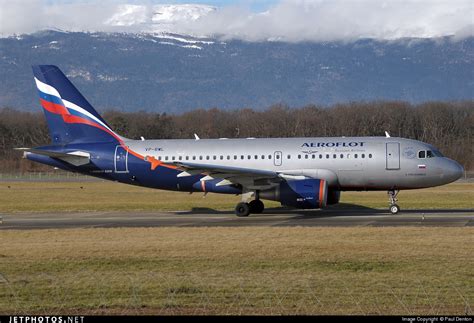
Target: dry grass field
[
  {"x": 244, "y": 270},
  {"x": 109, "y": 196},
  {"x": 238, "y": 271}
]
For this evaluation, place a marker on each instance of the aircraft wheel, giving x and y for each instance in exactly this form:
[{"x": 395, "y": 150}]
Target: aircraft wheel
[
  {"x": 394, "y": 209},
  {"x": 242, "y": 209},
  {"x": 256, "y": 206}
]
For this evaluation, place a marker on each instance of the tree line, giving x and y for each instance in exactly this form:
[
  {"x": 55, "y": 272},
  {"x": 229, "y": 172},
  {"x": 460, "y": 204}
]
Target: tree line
[{"x": 447, "y": 125}]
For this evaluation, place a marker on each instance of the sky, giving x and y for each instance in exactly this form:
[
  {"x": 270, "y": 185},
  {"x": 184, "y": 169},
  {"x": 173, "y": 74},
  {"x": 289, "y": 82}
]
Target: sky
[{"x": 251, "y": 20}]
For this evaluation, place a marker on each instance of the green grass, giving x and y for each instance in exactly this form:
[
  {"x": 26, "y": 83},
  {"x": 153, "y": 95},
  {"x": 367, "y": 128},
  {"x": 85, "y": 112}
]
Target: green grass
[
  {"x": 411, "y": 271},
  {"x": 110, "y": 196}
]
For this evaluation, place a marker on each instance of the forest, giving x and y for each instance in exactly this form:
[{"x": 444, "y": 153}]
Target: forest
[{"x": 447, "y": 125}]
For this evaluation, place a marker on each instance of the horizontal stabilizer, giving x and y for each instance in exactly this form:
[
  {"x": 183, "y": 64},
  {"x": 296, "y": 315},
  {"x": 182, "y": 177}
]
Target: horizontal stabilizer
[{"x": 76, "y": 158}]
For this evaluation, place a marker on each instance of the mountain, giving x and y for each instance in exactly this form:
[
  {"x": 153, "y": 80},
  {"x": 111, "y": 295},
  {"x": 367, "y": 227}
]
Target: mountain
[{"x": 158, "y": 71}]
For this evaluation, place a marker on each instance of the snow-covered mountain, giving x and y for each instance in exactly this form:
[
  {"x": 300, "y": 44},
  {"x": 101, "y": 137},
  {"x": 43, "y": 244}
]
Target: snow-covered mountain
[
  {"x": 157, "y": 18},
  {"x": 173, "y": 73}
]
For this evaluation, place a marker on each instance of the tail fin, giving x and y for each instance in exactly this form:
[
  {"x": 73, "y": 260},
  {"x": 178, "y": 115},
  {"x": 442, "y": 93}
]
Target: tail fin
[{"x": 70, "y": 118}]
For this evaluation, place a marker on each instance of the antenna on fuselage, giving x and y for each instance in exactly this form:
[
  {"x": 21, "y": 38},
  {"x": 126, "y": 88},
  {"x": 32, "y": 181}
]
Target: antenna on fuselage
[
  {"x": 387, "y": 135},
  {"x": 196, "y": 137}
]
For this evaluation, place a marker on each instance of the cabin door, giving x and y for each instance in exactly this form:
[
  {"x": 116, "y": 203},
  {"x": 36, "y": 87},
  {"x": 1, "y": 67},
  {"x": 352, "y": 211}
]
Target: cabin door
[
  {"x": 121, "y": 160},
  {"x": 393, "y": 155}
]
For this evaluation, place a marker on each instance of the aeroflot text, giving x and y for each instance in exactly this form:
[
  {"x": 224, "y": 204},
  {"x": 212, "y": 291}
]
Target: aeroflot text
[{"x": 334, "y": 144}]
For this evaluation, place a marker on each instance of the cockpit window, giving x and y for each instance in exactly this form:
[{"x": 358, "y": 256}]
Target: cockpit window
[{"x": 429, "y": 154}]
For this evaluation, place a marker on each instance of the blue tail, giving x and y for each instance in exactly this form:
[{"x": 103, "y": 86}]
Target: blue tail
[{"x": 70, "y": 118}]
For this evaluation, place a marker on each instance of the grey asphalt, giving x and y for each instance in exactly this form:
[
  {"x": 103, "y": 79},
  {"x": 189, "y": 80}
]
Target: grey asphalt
[{"x": 210, "y": 218}]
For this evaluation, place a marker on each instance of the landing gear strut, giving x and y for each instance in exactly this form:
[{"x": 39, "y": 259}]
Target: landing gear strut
[{"x": 392, "y": 197}]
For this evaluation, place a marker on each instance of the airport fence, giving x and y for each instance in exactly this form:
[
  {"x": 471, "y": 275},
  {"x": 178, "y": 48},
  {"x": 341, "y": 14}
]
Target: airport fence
[{"x": 59, "y": 176}]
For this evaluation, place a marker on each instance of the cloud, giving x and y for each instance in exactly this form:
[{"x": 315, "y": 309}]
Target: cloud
[{"x": 285, "y": 20}]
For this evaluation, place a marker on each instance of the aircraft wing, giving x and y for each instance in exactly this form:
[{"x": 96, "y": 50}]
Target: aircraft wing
[
  {"x": 248, "y": 177},
  {"x": 76, "y": 158}
]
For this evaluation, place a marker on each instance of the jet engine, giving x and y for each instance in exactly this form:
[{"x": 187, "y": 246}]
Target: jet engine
[{"x": 302, "y": 194}]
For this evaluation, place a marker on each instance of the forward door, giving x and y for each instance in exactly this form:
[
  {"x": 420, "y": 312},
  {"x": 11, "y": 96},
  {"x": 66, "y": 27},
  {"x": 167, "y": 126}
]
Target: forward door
[{"x": 393, "y": 155}]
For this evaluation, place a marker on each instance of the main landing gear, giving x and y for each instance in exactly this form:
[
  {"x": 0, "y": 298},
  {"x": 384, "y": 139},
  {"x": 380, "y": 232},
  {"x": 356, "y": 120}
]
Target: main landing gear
[
  {"x": 392, "y": 197},
  {"x": 255, "y": 206}
]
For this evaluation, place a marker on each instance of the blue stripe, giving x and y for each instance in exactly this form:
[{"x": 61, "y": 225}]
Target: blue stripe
[{"x": 50, "y": 98}]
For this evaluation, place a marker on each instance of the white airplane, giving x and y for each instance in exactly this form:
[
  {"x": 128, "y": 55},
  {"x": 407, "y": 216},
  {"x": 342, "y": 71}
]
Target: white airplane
[{"x": 298, "y": 172}]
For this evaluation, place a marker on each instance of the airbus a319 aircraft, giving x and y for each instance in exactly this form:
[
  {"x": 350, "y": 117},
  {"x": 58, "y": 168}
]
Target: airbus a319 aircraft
[{"x": 306, "y": 173}]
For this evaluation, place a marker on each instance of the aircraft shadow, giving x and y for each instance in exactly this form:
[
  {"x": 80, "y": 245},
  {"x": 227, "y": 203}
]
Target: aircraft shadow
[{"x": 342, "y": 209}]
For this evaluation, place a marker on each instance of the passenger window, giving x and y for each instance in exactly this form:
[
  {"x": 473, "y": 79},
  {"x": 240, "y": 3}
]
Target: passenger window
[
  {"x": 327, "y": 156},
  {"x": 173, "y": 158},
  {"x": 299, "y": 156},
  {"x": 228, "y": 157},
  {"x": 214, "y": 157},
  {"x": 222, "y": 157},
  {"x": 289, "y": 156},
  {"x": 370, "y": 155},
  {"x": 242, "y": 156},
  {"x": 263, "y": 156},
  {"x": 277, "y": 156},
  {"x": 180, "y": 158},
  {"x": 362, "y": 156},
  {"x": 355, "y": 155},
  {"x": 306, "y": 156},
  {"x": 187, "y": 157},
  {"x": 256, "y": 157},
  {"x": 249, "y": 157},
  {"x": 269, "y": 156},
  {"x": 194, "y": 157},
  {"x": 207, "y": 157},
  {"x": 313, "y": 156},
  {"x": 200, "y": 157},
  {"x": 342, "y": 155},
  {"x": 320, "y": 156},
  {"x": 166, "y": 157},
  {"x": 421, "y": 154},
  {"x": 334, "y": 156},
  {"x": 235, "y": 156}
]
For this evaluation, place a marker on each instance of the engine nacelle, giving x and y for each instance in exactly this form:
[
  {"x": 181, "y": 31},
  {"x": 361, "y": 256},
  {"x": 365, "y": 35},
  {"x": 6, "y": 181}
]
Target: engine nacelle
[{"x": 302, "y": 194}]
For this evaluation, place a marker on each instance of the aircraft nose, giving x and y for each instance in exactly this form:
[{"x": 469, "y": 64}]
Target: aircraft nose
[{"x": 454, "y": 171}]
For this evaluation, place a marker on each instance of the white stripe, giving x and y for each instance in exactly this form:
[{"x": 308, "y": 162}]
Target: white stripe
[
  {"x": 45, "y": 88},
  {"x": 48, "y": 89},
  {"x": 77, "y": 108}
]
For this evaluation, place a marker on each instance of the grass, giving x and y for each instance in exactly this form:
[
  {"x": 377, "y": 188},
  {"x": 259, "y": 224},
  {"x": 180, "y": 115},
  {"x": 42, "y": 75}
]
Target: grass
[
  {"x": 110, "y": 196},
  {"x": 245, "y": 270}
]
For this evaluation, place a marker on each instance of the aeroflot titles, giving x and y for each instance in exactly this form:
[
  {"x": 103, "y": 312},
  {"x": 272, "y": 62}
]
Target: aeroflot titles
[{"x": 334, "y": 144}]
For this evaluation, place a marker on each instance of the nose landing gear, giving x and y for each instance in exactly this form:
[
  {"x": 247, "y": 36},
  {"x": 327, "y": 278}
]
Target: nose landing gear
[{"x": 392, "y": 197}]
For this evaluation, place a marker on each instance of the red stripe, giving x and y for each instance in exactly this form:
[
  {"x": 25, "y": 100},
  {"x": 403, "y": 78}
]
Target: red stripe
[
  {"x": 53, "y": 107},
  {"x": 321, "y": 193}
]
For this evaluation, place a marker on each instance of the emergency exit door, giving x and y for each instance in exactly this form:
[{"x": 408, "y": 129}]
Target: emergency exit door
[{"x": 393, "y": 155}]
